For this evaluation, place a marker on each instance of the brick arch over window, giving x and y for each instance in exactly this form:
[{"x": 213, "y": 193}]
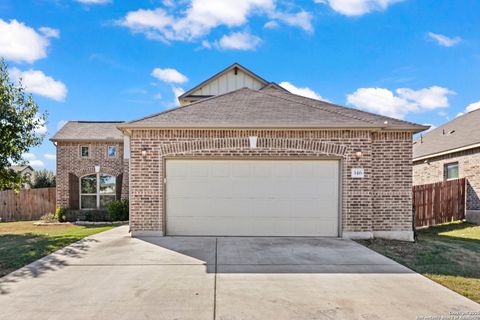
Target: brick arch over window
[
  {"x": 263, "y": 144},
  {"x": 80, "y": 172}
]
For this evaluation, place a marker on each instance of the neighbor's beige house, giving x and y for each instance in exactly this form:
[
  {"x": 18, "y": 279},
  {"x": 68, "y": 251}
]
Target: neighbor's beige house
[
  {"x": 449, "y": 152},
  {"x": 244, "y": 157}
]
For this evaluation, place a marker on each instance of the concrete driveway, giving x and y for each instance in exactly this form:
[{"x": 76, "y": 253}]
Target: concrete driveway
[{"x": 113, "y": 276}]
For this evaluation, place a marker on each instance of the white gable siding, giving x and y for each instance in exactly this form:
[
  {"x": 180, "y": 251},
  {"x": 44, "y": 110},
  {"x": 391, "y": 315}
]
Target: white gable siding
[{"x": 229, "y": 82}]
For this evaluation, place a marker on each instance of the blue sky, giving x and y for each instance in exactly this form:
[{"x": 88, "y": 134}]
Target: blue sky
[{"x": 95, "y": 59}]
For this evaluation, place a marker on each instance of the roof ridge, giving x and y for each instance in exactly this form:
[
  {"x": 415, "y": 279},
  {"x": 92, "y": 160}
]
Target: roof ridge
[
  {"x": 317, "y": 107},
  {"x": 94, "y": 121},
  {"x": 183, "y": 107}
]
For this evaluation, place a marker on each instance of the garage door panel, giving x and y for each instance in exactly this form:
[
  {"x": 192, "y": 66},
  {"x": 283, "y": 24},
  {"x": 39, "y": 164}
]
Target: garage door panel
[
  {"x": 249, "y": 197},
  {"x": 187, "y": 188}
]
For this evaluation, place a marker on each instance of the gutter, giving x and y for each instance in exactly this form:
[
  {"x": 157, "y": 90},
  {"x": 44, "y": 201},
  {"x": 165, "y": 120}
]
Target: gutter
[{"x": 472, "y": 146}]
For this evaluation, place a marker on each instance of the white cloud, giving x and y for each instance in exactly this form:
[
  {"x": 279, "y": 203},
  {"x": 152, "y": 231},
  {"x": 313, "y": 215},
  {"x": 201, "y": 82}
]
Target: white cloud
[
  {"x": 36, "y": 163},
  {"x": 272, "y": 24},
  {"x": 157, "y": 96},
  {"x": 238, "y": 41},
  {"x": 177, "y": 93},
  {"x": 201, "y": 16},
  {"x": 302, "y": 19},
  {"x": 50, "y": 32},
  {"x": 42, "y": 129},
  {"x": 27, "y": 156},
  {"x": 50, "y": 156},
  {"x": 61, "y": 123},
  {"x": 32, "y": 160},
  {"x": 206, "y": 44},
  {"x": 306, "y": 92},
  {"x": 442, "y": 113},
  {"x": 94, "y": 1},
  {"x": 37, "y": 82},
  {"x": 471, "y": 107},
  {"x": 357, "y": 7},
  {"x": 385, "y": 102},
  {"x": 444, "y": 40},
  {"x": 432, "y": 126},
  {"x": 21, "y": 43},
  {"x": 427, "y": 98},
  {"x": 169, "y": 75}
]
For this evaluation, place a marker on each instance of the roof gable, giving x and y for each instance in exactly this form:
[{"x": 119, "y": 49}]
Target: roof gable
[{"x": 231, "y": 78}]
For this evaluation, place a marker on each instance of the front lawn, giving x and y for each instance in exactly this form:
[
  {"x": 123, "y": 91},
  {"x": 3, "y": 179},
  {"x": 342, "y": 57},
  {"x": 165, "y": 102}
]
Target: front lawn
[
  {"x": 448, "y": 254},
  {"x": 22, "y": 242}
]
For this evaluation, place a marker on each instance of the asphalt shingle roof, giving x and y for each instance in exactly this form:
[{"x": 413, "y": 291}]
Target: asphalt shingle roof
[
  {"x": 20, "y": 168},
  {"x": 249, "y": 108},
  {"x": 461, "y": 132},
  {"x": 89, "y": 131}
]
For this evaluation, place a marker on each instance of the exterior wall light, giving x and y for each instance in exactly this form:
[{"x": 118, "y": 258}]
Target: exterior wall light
[
  {"x": 97, "y": 168},
  {"x": 253, "y": 141},
  {"x": 357, "y": 154},
  {"x": 144, "y": 152}
]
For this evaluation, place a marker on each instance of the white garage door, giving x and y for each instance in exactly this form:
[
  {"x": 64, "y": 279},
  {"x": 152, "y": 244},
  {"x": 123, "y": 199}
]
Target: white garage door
[{"x": 252, "y": 197}]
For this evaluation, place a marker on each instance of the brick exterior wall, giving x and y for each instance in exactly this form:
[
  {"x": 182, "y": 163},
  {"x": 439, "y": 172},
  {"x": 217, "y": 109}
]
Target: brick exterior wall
[
  {"x": 381, "y": 201},
  {"x": 69, "y": 161},
  {"x": 392, "y": 182},
  {"x": 468, "y": 167}
]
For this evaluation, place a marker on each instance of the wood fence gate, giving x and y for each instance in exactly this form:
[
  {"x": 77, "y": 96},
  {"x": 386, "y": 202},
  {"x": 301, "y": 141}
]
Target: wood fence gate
[{"x": 439, "y": 202}]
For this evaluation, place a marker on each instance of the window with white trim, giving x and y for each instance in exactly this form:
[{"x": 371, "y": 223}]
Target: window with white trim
[
  {"x": 97, "y": 191},
  {"x": 111, "y": 151},
  {"x": 451, "y": 171},
  {"x": 84, "y": 151}
]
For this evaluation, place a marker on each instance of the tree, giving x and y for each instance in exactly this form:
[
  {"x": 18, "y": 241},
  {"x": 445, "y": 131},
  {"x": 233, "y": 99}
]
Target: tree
[
  {"x": 20, "y": 121},
  {"x": 42, "y": 179}
]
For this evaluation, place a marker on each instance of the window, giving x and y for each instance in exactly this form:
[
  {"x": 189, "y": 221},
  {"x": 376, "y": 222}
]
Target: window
[
  {"x": 112, "y": 151},
  {"x": 451, "y": 171},
  {"x": 97, "y": 190},
  {"x": 84, "y": 151}
]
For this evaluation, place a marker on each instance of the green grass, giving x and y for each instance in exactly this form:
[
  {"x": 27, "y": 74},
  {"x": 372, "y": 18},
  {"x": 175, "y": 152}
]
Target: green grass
[
  {"x": 448, "y": 254},
  {"x": 23, "y": 242}
]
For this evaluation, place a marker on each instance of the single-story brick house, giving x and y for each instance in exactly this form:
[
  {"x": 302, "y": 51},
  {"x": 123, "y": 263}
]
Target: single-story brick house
[
  {"x": 449, "y": 152},
  {"x": 242, "y": 156}
]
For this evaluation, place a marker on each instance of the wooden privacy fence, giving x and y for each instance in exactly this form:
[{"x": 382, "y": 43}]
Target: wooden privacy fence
[
  {"x": 28, "y": 204},
  {"x": 439, "y": 202}
]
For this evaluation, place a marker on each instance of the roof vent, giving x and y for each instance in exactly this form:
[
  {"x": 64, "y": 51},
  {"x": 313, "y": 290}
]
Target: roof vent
[{"x": 448, "y": 133}]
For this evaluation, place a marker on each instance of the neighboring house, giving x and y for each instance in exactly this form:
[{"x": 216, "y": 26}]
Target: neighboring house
[
  {"x": 90, "y": 164},
  {"x": 449, "y": 152},
  {"x": 244, "y": 157},
  {"x": 25, "y": 171}
]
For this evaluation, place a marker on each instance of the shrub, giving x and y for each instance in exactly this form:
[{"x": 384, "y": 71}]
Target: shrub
[
  {"x": 95, "y": 215},
  {"x": 61, "y": 214},
  {"x": 118, "y": 210},
  {"x": 49, "y": 218},
  {"x": 42, "y": 179}
]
